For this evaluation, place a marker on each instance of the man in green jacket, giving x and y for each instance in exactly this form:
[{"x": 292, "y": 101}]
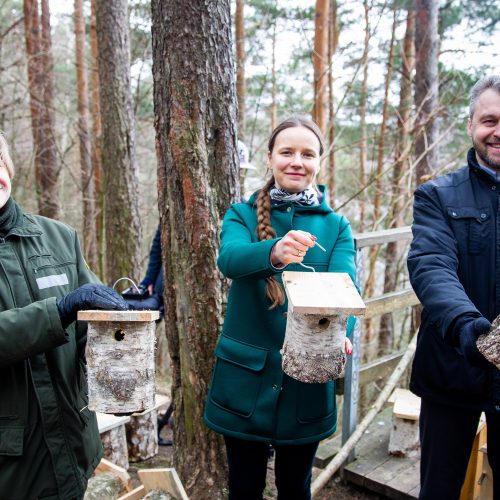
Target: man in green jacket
[{"x": 49, "y": 441}]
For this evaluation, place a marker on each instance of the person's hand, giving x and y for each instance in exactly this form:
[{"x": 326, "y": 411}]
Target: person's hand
[
  {"x": 88, "y": 296},
  {"x": 468, "y": 331},
  {"x": 348, "y": 346},
  {"x": 292, "y": 248}
]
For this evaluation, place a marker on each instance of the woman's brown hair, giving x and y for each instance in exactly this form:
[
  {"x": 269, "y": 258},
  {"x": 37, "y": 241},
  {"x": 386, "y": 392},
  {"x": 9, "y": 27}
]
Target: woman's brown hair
[{"x": 265, "y": 230}]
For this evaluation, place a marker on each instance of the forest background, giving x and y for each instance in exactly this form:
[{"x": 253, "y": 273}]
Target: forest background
[{"x": 387, "y": 81}]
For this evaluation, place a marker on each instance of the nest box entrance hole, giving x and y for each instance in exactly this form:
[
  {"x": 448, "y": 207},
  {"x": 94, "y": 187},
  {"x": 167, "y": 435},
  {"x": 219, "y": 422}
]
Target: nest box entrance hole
[{"x": 119, "y": 334}]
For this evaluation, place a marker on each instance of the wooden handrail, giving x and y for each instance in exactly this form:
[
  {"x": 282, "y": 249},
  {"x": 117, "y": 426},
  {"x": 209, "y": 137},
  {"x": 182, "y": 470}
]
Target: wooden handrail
[
  {"x": 362, "y": 240},
  {"x": 389, "y": 302}
]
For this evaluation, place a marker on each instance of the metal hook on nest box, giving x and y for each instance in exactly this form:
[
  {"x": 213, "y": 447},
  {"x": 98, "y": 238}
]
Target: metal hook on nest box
[{"x": 127, "y": 279}]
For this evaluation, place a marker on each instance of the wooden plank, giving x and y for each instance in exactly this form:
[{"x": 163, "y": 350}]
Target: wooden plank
[
  {"x": 120, "y": 472},
  {"x": 327, "y": 449},
  {"x": 379, "y": 369},
  {"x": 120, "y": 316},
  {"x": 160, "y": 400},
  {"x": 362, "y": 240},
  {"x": 322, "y": 293},
  {"x": 135, "y": 494},
  {"x": 407, "y": 482},
  {"x": 163, "y": 479},
  {"x": 390, "y": 302},
  {"x": 395, "y": 395},
  {"x": 470, "y": 488},
  {"x": 407, "y": 405},
  {"x": 106, "y": 422}
]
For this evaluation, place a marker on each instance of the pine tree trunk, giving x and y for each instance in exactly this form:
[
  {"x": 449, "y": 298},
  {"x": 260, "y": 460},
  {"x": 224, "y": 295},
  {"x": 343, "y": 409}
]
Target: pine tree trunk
[
  {"x": 320, "y": 63},
  {"x": 333, "y": 34},
  {"x": 123, "y": 232},
  {"x": 96, "y": 144},
  {"x": 380, "y": 157},
  {"x": 363, "y": 143},
  {"x": 89, "y": 232},
  {"x": 41, "y": 89},
  {"x": 401, "y": 165},
  {"x": 240, "y": 67},
  {"x": 195, "y": 120},
  {"x": 426, "y": 87}
]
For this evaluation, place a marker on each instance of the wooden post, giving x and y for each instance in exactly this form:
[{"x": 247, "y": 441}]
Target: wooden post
[
  {"x": 318, "y": 308},
  {"x": 351, "y": 377},
  {"x": 120, "y": 360}
]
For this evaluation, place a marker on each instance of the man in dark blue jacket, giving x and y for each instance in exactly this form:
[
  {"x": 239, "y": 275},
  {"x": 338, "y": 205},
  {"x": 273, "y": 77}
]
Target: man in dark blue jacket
[{"x": 454, "y": 265}]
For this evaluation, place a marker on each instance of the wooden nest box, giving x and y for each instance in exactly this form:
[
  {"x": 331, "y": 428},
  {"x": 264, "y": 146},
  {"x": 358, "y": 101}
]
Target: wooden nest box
[
  {"x": 120, "y": 360},
  {"x": 319, "y": 305}
]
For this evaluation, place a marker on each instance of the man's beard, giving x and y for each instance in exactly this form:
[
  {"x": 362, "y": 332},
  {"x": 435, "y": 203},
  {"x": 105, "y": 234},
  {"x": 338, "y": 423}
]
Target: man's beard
[{"x": 482, "y": 152}]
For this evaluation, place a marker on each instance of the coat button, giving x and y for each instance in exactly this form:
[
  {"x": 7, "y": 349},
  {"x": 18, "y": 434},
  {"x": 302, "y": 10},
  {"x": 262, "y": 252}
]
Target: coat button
[
  {"x": 454, "y": 214},
  {"x": 289, "y": 209},
  {"x": 493, "y": 187},
  {"x": 483, "y": 216},
  {"x": 275, "y": 387}
]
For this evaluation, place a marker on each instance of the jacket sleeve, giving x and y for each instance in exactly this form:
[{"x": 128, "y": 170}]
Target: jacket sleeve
[
  {"x": 433, "y": 263},
  {"x": 154, "y": 262},
  {"x": 239, "y": 256},
  {"x": 38, "y": 329}
]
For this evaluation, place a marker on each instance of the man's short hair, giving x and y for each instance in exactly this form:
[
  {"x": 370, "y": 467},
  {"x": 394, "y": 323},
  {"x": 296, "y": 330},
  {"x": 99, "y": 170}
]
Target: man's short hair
[
  {"x": 488, "y": 82},
  {"x": 5, "y": 158}
]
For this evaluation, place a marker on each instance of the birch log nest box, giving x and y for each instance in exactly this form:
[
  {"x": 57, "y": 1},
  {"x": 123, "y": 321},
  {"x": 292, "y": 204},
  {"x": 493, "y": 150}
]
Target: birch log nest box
[
  {"x": 489, "y": 344},
  {"x": 319, "y": 305},
  {"x": 120, "y": 360}
]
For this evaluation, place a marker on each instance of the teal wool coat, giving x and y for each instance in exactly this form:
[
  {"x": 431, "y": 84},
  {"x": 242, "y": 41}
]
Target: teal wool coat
[{"x": 250, "y": 397}]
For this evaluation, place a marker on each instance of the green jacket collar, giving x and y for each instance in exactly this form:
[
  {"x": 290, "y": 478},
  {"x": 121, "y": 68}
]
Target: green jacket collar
[{"x": 26, "y": 226}]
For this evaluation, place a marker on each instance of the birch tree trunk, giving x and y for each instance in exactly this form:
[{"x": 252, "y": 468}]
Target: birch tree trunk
[
  {"x": 123, "y": 232},
  {"x": 89, "y": 230},
  {"x": 41, "y": 90},
  {"x": 195, "y": 121},
  {"x": 426, "y": 87}
]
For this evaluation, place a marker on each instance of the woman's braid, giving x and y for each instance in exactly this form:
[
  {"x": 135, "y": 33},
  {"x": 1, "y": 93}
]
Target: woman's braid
[{"x": 265, "y": 231}]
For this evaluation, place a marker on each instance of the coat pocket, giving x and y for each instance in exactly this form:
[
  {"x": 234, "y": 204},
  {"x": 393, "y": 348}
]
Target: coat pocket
[
  {"x": 316, "y": 402},
  {"x": 237, "y": 375},
  {"x": 11, "y": 441},
  {"x": 471, "y": 226}
]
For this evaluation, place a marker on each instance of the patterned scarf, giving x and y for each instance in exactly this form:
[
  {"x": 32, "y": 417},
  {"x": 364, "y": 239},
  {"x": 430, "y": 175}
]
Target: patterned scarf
[
  {"x": 307, "y": 198},
  {"x": 9, "y": 215}
]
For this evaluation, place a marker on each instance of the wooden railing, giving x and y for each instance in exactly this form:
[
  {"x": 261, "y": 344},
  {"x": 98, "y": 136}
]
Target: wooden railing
[{"x": 355, "y": 373}]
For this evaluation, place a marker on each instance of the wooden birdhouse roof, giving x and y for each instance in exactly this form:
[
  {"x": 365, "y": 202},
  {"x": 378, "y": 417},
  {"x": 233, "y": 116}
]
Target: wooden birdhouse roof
[
  {"x": 100, "y": 315},
  {"x": 322, "y": 293}
]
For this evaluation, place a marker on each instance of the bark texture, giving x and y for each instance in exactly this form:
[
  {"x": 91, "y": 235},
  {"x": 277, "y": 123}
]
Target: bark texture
[
  {"x": 195, "y": 120},
  {"x": 489, "y": 345},
  {"x": 120, "y": 183},
  {"x": 320, "y": 63},
  {"x": 121, "y": 366},
  {"x": 89, "y": 228},
  {"x": 313, "y": 351},
  {"x": 426, "y": 87},
  {"x": 142, "y": 436},
  {"x": 41, "y": 90}
]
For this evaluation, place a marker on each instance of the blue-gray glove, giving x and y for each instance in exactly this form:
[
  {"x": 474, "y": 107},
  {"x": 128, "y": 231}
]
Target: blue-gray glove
[
  {"x": 468, "y": 330},
  {"x": 88, "y": 296}
]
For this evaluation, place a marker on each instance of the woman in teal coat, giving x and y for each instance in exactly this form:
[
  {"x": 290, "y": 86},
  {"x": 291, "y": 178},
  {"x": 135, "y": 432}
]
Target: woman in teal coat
[{"x": 251, "y": 401}]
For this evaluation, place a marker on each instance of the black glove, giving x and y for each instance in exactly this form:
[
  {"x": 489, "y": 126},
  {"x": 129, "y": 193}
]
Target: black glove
[
  {"x": 468, "y": 330},
  {"x": 89, "y": 296}
]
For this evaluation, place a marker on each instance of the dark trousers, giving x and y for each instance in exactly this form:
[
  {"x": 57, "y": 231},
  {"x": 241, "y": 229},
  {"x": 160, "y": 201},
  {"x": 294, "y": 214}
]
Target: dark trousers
[
  {"x": 247, "y": 461},
  {"x": 446, "y": 436}
]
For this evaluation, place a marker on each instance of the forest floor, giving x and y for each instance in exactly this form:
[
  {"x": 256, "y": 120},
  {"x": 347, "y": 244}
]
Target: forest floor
[{"x": 336, "y": 488}]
